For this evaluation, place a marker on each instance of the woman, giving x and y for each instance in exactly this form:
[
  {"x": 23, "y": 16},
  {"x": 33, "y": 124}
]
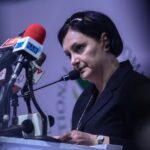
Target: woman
[{"x": 107, "y": 111}]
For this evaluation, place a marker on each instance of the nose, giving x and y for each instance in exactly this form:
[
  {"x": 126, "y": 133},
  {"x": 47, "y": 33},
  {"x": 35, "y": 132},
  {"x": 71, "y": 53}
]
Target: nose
[{"x": 74, "y": 60}]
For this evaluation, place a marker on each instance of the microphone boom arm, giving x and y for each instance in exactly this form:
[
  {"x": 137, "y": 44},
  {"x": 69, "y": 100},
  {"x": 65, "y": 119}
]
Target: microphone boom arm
[{"x": 72, "y": 75}]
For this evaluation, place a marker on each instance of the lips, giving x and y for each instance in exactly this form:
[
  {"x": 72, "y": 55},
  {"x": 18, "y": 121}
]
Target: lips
[{"x": 81, "y": 69}]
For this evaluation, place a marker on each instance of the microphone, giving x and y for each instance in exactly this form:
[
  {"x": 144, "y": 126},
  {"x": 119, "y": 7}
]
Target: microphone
[
  {"x": 6, "y": 52},
  {"x": 72, "y": 75},
  {"x": 31, "y": 43},
  {"x": 30, "y": 126},
  {"x": 37, "y": 73},
  {"x": 36, "y": 67},
  {"x": 28, "y": 49},
  {"x": 33, "y": 125},
  {"x": 26, "y": 127}
]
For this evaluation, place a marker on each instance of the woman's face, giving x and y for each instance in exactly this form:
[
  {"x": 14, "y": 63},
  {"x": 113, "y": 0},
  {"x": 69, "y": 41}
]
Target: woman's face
[{"x": 85, "y": 53}]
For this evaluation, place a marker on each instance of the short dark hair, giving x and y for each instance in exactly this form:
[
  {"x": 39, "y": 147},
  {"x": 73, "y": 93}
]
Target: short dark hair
[{"x": 93, "y": 24}]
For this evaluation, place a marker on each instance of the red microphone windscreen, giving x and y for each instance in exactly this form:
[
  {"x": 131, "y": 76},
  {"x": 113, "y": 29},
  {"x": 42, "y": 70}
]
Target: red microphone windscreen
[{"x": 36, "y": 32}]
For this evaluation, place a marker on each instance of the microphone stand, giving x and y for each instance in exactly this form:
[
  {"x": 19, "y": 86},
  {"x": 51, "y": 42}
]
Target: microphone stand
[
  {"x": 44, "y": 137},
  {"x": 27, "y": 97},
  {"x": 5, "y": 101},
  {"x": 14, "y": 104},
  {"x": 29, "y": 74}
]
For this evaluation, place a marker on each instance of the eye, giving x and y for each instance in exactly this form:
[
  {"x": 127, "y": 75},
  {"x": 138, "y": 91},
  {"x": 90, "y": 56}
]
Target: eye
[{"x": 79, "y": 48}]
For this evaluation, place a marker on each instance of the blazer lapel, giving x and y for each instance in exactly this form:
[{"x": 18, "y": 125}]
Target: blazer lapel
[
  {"x": 107, "y": 94},
  {"x": 99, "y": 104}
]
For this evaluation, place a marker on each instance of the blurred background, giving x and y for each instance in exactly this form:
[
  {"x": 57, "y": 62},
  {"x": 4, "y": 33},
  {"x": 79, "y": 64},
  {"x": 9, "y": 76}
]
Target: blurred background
[{"x": 131, "y": 18}]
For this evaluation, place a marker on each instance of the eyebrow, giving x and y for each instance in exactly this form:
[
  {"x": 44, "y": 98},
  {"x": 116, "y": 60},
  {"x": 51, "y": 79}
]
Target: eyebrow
[{"x": 72, "y": 47}]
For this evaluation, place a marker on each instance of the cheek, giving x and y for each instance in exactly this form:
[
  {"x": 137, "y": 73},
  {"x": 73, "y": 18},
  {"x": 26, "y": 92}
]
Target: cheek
[
  {"x": 94, "y": 51},
  {"x": 92, "y": 55},
  {"x": 94, "y": 58}
]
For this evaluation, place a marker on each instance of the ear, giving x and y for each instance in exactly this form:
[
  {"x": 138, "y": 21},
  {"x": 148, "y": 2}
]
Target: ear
[{"x": 105, "y": 41}]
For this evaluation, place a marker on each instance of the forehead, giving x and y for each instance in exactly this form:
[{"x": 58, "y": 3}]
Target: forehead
[{"x": 73, "y": 37}]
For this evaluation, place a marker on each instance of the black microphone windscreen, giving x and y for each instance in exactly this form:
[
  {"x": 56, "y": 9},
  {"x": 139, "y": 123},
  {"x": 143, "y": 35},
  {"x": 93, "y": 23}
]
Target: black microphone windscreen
[
  {"x": 28, "y": 126},
  {"x": 74, "y": 74}
]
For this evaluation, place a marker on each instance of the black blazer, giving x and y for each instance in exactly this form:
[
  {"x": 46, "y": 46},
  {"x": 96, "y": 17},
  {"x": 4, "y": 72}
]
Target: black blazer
[{"x": 124, "y": 103}]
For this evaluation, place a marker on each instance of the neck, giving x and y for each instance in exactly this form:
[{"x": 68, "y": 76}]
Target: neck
[{"x": 103, "y": 76}]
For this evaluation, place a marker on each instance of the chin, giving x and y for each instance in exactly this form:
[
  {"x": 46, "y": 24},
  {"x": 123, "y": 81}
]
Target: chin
[{"x": 85, "y": 76}]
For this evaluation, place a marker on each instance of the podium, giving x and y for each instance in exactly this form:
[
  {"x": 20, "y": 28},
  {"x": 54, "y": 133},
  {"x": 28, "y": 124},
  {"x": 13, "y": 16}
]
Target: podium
[{"x": 11, "y": 143}]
